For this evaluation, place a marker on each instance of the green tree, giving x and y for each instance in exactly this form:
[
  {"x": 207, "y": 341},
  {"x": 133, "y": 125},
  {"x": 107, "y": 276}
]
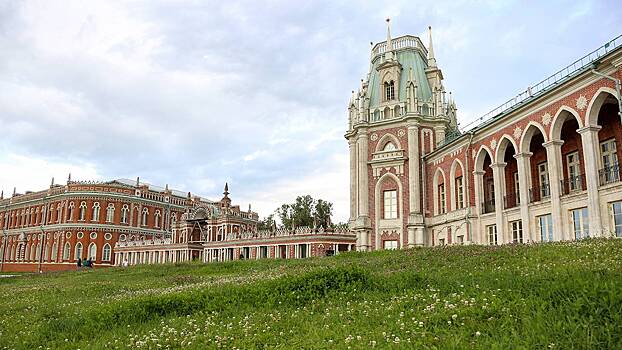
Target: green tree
[
  {"x": 305, "y": 211},
  {"x": 267, "y": 223}
]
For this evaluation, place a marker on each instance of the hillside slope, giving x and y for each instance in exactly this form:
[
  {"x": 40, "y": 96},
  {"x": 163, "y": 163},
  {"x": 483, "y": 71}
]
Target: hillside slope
[{"x": 561, "y": 295}]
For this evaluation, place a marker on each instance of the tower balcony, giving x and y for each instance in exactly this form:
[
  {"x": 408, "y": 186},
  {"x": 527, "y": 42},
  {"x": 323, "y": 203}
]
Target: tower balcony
[{"x": 399, "y": 43}]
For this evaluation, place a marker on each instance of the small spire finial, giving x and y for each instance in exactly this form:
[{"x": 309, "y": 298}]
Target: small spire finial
[
  {"x": 226, "y": 192},
  {"x": 69, "y": 178},
  {"x": 52, "y": 184},
  {"x": 431, "y": 58},
  {"x": 2, "y": 194},
  {"x": 166, "y": 187},
  {"x": 137, "y": 181},
  {"x": 389, "y": 43},
  {"x": 14, "y": 191}
]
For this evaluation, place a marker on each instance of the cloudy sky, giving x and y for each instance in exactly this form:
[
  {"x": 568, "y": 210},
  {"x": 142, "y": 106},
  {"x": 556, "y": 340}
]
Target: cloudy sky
[{"x": 255, "y": 93}]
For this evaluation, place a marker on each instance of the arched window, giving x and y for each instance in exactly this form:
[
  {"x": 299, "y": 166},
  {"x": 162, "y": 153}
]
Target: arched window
[
  {"x": 95, "y": 212},
  {"x": 145, "y": 216},
  {"x": 70, "y": 213},
  {"x": 390, "y": 146},
  {"x": 157, "y": 217},
  {"x": 390, "y": 204},
  {"x": 27, "y": 217},
  {"x": 54, "y": 251},
  {"x": 46, "y": 253},
  {"x": 78, "y": 252},
  {"x": 110, "y": 212},
  {"x": 389, "y": 90},
  {"x": 34, "y": 250},
  {"x": 59, "y": 213},
  {"x": 93, "y": 251},
  {"x": 66, "y": 251},
  {"x": 82, "y": 213},
  {"x": 124, "y": 213},
  {"x": 106, "y": 252},
  {"x": 27, "y": 254}
]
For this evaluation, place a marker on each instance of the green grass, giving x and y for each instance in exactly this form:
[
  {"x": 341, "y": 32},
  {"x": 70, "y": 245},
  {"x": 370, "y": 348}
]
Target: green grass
[{"x": 561, "y": 296}]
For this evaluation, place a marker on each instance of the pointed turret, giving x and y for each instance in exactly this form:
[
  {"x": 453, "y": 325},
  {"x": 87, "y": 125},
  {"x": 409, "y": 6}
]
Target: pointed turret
[
  {"x": 69, "y": 178},
  {"x": 225, "y": 202},
  {"x": 14, "y": 191},
  {"x": 226, "y": 193},
  {"x": 137, "y": 181},
  {"x": 411, "y": 92},
  {"x": 389, "y": 47},
  {"x": 431, "y": 58},
  {"x": 2, "y": 194}
]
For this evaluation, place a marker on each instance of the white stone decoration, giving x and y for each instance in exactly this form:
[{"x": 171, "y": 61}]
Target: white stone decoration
[
  {"x": 374, "y": 137},
  {"x": 546, "y": 119},
  {"x": 401, "y": 133},
  {"x": 473, "y": 153},
  {"x": 581, "y": 102},
  {"x": 517, "y": 132},
  {"x": 493, "y": 144}
]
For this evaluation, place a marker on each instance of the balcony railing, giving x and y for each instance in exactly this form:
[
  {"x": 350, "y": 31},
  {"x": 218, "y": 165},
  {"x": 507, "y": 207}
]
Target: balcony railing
[
  {"x": 488, "y": 206},
  {"x": 609, "y": 174},
  {"x": 511, "y": 200},
  {"x": 539, "y": 193},
  {"x": 573, "y": 184}
]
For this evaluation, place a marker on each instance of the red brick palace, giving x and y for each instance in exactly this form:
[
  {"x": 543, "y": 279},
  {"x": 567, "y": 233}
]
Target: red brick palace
[{"x": 544, "y": 166}]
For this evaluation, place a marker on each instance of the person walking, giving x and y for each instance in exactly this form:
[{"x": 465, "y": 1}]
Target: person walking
[{"x": 79, "y": 264}]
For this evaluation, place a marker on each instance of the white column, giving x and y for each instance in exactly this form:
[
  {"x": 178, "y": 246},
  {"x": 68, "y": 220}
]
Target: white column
[
  {"x": 414, "y": 187},
  {"x": 478, "y": 187},
  {"x": 498, "y": 172},
  {"x": 524, "y": 184},
  {"x": 554, "y": 163},
  {"x": 353, "y": 172},
  {"x": 363, "y": 178},
  {"x": 589, "y": 140}
]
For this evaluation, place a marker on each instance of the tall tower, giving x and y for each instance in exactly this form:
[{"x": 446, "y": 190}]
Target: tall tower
[{"x": 398, "y": 115}]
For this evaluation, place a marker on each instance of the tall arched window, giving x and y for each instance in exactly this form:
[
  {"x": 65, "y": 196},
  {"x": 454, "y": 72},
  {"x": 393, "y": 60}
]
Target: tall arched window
[
  {"x": 124, "y": 213},
  {"x": 106, "y": 252},
  {"x": 27, "y": 254},
  {"x": 95, "y": 212},
  {"x": 70, "y": 213},
  {"x": 59, "y": 213},
  {"x": 34, "y": 250},
  {"x": 157, "y": 217},
  {"x": 389, "y": 90},
  {"x": 82, "y": 214},
  {"x": 66, "y": 251},
  {"x": 54, "y": 251},
  {"x": 78, "y": 252},
  {"x": 110, "y": 212},
  {"x": 46, "y": 253},
  {"x": 145, "y": 216},
  {"x": 93, "y": 251}
]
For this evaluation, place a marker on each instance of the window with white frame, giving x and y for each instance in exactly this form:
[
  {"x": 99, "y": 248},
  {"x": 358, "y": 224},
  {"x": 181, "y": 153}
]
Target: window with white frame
[
  {"x": 93, "y": 251},
  {"x": 96, "y": 210},
  {"x": 82, "y": 211},
  {"x": 491, "y": 232},
  {"x": 390, "y": 244},
  {"x": 156, "y": 218},
  {"x": 54, "y": 251},
  {"x": 110, "y": 212},
  {"x": 59, "y": 213},
  {"x": 390, "y": 204},
  {"x": 517, "y": 231},
  {"x": 543, "y": 176},
  {"x": 459, "y": 193},
  {"x": 389, "y": 90},
  {"x": 70, "y": 214},
  {"x": 573, "y": 164},
  {"x": 580, "y": 223},
  {"x": 616, "y": 213},
  {"x": 124, "y": 213},
  {"x": 610, "y": 161},
  {"x": 441, "y": 199},
  {"x": 545, "y": 224},
  {"x": 78, "y": 251},
  {"x": 66, "y": 251},
  {"x": 145, "y": 216}
]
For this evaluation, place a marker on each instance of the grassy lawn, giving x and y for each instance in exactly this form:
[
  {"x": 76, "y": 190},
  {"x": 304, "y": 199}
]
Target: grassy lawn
[{"x": 560, "y": 296}]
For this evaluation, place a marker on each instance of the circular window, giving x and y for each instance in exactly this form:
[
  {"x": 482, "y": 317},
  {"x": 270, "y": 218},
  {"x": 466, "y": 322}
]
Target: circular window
[
  {"x": 80, "y": 235},
  {"x": 93, "y": 235},
  {"x": 68, "y": 235},
  {"x": 108, "y": 236},
  {"x": 122, "y": 238}
]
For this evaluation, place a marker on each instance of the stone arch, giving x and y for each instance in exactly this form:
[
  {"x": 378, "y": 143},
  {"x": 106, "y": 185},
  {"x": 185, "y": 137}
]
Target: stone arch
[
  {"x": 386, "y": 138},
  {"x": 563, "y": 113},
  {"x": 378, "y": 198},
  {"x": 481, "y": 156},
  {"x": 452, "y": 177},
  {"x": 597, "y": 101},
  {"x": 528, "y": 134},
  {"x": 502, "y": 147}
]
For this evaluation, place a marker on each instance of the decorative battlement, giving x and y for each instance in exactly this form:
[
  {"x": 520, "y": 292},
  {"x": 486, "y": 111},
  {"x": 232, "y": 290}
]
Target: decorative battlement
[{"x": 402, "y": 42}]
